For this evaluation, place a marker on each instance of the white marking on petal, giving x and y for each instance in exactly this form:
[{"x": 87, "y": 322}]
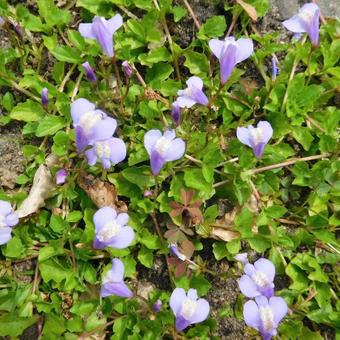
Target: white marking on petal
[
  {"x": 260, "y": 279},
  {"x": 306, "y": 16},
  {"x": 88, "y": 120},
  {"x": 162, "y": 146},
  {"x": 102, "y": 149},
  {"x": 188, "y": 308},
  {"x": 110, "y": 230},
  {"x": 256, "y": 135},
  {"x": 108, "y": 278},
  {"x": 267, "y": 318}
]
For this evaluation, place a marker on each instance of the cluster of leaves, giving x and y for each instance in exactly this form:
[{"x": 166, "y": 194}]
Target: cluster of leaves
[{"x": 289, "y": 212}]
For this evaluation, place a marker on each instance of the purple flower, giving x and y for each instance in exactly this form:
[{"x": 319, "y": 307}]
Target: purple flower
[
  {"x": 307, "y": 20},
  {"x": 147, "y": 193},
  {"x": 109, "y": 151},
  {"x": 111, "y": 229},
  {"x": 174, "y": 251},
  {"x": 193, "y": 94},
  {"x": 187, "y": 308},
  {"x": 256, "y": 138},
  {"x": 163, "y": 148},
  {"x": 127, "y": 68},
  {"x": 60, "y": 176},
  {"x": 265, "y": 315},
  {"x": 243, "y": 258},
  {"x": 102, "y": 30},
  {"x": 275, "y": 69},
  {"x": 90, "y": 74},
  {"x": 8, "y": 219},
  {"x": 229, "y": 53},
  {"x": 176, "y": 113},
  {"x": 44, "y": 97},
  {"x": 258, "y": 279},
  {"x": 157, "y": 306},
  {"x": 90, "y": 124},
  {"x": 113, "y": 281}
]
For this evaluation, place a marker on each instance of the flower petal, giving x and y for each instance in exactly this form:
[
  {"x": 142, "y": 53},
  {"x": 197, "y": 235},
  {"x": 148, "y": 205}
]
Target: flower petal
[
  {"x": 251, "y": 315},
  {"x": 101, "y": 31},
  {"x": 266, "y": 267},
  {"x": 91, "y": 156},
  {"x": 115, "y": 23},
  {"x": 185, "y": 101},
  {"x": 5, "y": 208},
  {"x": 122, "y": 219},
  {"x": 176, "y": 299},
  {"x": 199, "y": 96},
  {"x": 116, "y": 273},
  {"x": 150, "y": 140},
  {"x": 5, "y": 235},
  {"x": 119, "y": 289},
  {"x": 248, "y": 287},
  {"x": 81, "y": 139},
  {"x": 279, "y": 308},
  {"x": 294, "y": 24},
  {"x": 118, "y": 150},
  {"x": 176, "y": 150},
  {"x": 195, "y": 81},
  {"x": 103, "y": 129},
  {"x": 266, "y": 129},
  {"x": 123, "y": 239},
  {"x": 103, "y": 216},
  {"x": 202, "y": 311},
  {"x": 181, "y": 323},
  {"x": 242, "y": 134},
  {"x": 245, "y": 49},
  {"x": 12, "y": 219},
  {"x": 79, "y": 107},
  {"x": 216, "y": 47},
  {"x": 228, "y": 62},
  {"x": 258, "y": 149},
  {"x": 85, "y": 31},
  {"x": 192, "y": 294},
  {"x": 157, "y": 162}
]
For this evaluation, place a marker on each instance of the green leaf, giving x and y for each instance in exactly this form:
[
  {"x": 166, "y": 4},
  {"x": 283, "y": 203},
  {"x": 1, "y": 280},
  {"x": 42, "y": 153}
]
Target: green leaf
[
  {"x": 52, "y": 14},
  {"x": 154, "y": 56},
  {"x": 196, "y": 62},
  {"x": 66, "y": 53},
  {"x": 140, "y": 176},
  {"x": 12, "y": 325},
  {"x": 179, "y": 12},
  {"x": 28, "y": 111},
  {"x": 14, "y": 248},
  {"x": 49, "y": 125},
  {"x": 145, "y": 257},
  {"x": 214, "y": 27},
  {"x": 303, "y": 136},
  {"x": 220, "y": 251}
]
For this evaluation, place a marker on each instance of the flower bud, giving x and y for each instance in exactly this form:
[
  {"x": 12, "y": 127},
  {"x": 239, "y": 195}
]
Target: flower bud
[
  {"x": 128, "y": 70},
  {"x": 44, "y": 97},
  {"x": 61, "y": 176},
  {"x": 90, "y": 74},
  {"x": 176, "y": 114}
]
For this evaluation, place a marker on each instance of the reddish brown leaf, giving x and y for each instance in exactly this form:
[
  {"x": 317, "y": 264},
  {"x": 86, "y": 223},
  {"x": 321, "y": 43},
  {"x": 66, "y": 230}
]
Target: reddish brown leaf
[
  {"x": 251, "y": 11},
  {"x": 225, "y": 235},
  {"x": 187, "y": 248}
]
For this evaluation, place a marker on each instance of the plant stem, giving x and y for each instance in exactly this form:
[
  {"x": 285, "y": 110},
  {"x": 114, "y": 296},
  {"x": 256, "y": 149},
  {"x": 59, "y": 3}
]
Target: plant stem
[{"x": 192, "y": 14}]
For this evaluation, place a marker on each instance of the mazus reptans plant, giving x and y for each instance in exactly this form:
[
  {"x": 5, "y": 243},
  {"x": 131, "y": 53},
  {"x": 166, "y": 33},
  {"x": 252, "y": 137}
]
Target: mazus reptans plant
[
  {"x": 193, "y": 94},
  {"x": 8, "y": 219}
]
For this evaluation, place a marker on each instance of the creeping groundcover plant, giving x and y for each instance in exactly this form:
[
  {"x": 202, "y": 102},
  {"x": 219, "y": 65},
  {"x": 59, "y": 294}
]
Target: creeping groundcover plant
[{"x": 169, "y": 170}]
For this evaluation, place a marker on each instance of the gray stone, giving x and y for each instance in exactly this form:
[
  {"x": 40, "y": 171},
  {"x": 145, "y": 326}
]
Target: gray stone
[{"x": 287, "y": 8}]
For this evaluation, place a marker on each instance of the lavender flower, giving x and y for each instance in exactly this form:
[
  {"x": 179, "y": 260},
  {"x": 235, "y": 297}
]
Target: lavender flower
[
  {"x": 193, "y": 94},
  {"x": 174, "y": 251},
  {"x": 113, "y": 281},
  {"x": 187, "y": 308},
  {"x": 90, "y": 124},
  {"x": 243, "y": 258},
  {"x": 258, "y": 279},
  {"x": 44, "y": 97},
  {"x": 60, "y": 176},
  {"x": 265, "y": 315},
  {"x": 176, "y": 113},
  {"x": 275, "y": 69},
  {"x": 163, "y": 148},
  {"x": 109, "y": 151},
  {"x": 147, "y": 193},
  {"x": 256, "y": 138},
  {"x": 90, "y": 74},
  {"x": 102, "y": 30},
  {"x": 229, "y": 53},
  {"x": 111, "y": 229},
  {"x": 127, "y": 68},
  {"x": 8, "y": 219},
  {"x": 307, "y": 20},
  {"x": 157, "y": 306}
]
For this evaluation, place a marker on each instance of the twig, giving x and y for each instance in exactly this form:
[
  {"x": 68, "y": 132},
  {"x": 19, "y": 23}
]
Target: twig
[
  {"x": 66, "y": 78},
  {"x": 197, "y": 24},
  {"x": 233, "y": 22},
  {"x": 315, "y": 123},
  {"x": 76, "y": 87},
  {"x": 286, "y": 163}
]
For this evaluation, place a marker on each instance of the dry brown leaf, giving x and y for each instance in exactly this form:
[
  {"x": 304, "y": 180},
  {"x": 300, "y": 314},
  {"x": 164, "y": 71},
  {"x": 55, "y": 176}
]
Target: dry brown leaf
[
  {"x": 41, "y": 189},
  {"x": 251, "y": 11},
  {"x": 102, "y": 194},
  {"x": 223, "y": 234}
]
